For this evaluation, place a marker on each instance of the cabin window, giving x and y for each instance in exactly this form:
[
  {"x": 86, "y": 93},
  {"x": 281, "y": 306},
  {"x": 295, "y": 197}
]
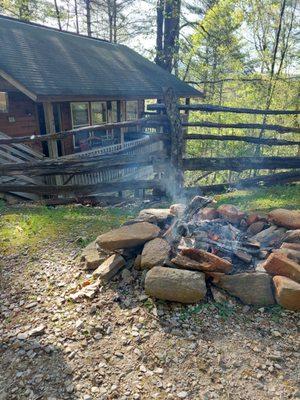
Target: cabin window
[
  {"x": 114, "y": 111},
  {"x": 3, "y": 102},
  {"x": 80, "y": 117},
  {"x": 80, "y": 114},
  {"x": 132, "y": 110},
  {"x": 99, "y": 112}
]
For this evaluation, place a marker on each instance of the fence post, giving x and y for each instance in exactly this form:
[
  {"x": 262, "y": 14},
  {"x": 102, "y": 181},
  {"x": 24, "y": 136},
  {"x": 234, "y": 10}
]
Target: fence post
[{"x": 177, "y": 144}]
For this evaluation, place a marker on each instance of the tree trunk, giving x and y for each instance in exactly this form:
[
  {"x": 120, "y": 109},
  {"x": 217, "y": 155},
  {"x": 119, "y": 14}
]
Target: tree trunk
[
  {"x": 57, "y": 12},
  {"x": 88, "y": 17}
]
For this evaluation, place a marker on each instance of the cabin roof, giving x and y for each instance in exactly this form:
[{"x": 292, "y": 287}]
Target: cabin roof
[{"x": 52, "y": 64}]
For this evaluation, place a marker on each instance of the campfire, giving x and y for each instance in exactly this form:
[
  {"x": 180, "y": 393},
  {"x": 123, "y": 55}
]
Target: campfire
[{"x": 191, "y": 250}]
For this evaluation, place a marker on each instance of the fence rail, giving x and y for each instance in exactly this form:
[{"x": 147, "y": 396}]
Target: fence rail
[{"x": 158, "y": 156}]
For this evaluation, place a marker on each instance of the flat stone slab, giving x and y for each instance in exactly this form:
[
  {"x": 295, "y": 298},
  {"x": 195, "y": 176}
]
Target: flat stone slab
[
  {"x": 154, "y": 253},
  {"x": 158, "y": 214},
  {"x": 128, "y": 236},
  {"x": 286, "y": 218},
  {"x": 175, "y": 285},
  {"x": 287, "y": 293},
  {"x": 109, "y": 268},
  {"x": 251, "y": 288},
  {"x": 280, "y": 264}
]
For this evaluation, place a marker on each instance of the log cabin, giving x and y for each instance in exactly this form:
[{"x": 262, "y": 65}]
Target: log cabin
[{"x": 52, "y": 81}]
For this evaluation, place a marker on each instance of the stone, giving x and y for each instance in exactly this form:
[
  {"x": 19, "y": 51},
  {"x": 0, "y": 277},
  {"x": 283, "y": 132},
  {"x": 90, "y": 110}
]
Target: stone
[
  {"x": 251, "y": 288},
  {"x": 286, "y": 218},
  {"x": 86, "y": 292},
  {"x": 255, "y": 228},
  {"x": 109, "y": 267},
  {"x": 208, "y": 213},
  {"x": 128, "y": 236},
  {"x": 289, "y": 253},
  {"x": 154, "y": 253},
  {"x": 161, "y": 215},
  {"x": 201, "y": 260},
  {"x": 137, "y": 262},
  {"x": 218, "y": 295},
  {"x": 92, "y": 259},
  {"x": 292, "y": 246},
  {"x": 177, "y": 209},
  {"x": 270, "y": 237},
  {"x": 252, "y": 218},
  {"x": 287, "y": 292},
  {"x": 279, "y": 264},
  {"x": 230, "y": 213},
  {"x": 127, "y": 276},
  {"x": 175, "y": 285},
  {"x": 292, "y": 236}
]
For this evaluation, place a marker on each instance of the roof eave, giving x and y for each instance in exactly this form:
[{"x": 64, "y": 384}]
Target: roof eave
[{"x": 18, "y": 85}]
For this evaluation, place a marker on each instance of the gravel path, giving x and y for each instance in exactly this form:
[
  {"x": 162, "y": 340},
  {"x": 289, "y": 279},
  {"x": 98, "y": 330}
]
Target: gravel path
[{"x": 122, "y": 345}]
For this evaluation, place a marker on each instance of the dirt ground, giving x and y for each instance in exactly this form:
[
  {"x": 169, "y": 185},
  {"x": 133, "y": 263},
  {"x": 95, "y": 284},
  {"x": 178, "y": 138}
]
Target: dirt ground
[{"x": 123, "y": 345}]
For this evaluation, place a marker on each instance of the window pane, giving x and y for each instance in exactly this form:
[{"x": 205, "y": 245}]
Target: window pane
[
  {"x": 80, "y": 114},
  {"x": 131, "y": 110},
  {"x": 99, "y": 111},
  {"x": 3, "y": 102}
]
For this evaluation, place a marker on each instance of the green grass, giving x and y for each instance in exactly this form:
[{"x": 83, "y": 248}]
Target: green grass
[
  {"x": 263, "y": 199},
  {"x": 29, "y": 226}
]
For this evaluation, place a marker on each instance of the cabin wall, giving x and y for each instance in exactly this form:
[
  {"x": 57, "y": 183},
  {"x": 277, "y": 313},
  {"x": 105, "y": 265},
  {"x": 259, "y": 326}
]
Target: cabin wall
[{"x": 21, "y": 118}]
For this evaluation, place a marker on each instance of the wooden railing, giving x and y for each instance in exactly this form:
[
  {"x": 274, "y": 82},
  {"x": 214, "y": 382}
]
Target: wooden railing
[{"x": 158, "y": 156}]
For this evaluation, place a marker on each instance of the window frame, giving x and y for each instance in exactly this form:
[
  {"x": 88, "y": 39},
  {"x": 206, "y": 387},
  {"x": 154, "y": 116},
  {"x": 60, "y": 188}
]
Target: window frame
[{"x": 80, "y": 126}]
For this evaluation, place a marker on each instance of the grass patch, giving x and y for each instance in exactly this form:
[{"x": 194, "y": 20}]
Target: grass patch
[
  {"x": 29, "y": 226},
  {"x": 263, "y": 199}
]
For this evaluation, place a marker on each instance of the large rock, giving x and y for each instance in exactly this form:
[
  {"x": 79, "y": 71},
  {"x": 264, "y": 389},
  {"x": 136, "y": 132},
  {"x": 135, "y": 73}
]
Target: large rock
[
  {"x": 128, "y": 236},
  {"x": 292, "y": 236},
  {"x": 92, "y": 258},
  {"x": 175, "y": 285},
  {"x": 287, "y": 218},
  {"x": 270, "y": 237},
  {"x": 160, "y": 215},
  {"x": 109, "y": 268},
  {"x": 154, "y": 253},
  {"x": 251, "y": 288},
  {"x": 279, "y": 264},
  {"x": 231, "y": 213},
  {"x": 289, "y": 253},
  {"x": 287, "y": 293}
]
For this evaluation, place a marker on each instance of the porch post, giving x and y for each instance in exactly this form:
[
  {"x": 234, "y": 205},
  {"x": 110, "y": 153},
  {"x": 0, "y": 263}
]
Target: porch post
[{"x": 50, "y": 128}]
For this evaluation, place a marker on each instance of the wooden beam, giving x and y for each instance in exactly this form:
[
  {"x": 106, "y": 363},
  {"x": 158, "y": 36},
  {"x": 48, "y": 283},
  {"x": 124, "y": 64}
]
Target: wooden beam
[
  {"x": 214, "y": 108},
  {"x": 81, "y": 166},
  {"x": 148, "y": 122},
  {"x": 50, "y": 129},
  {"x": 263, "y": 180},
  {"x": 18, "y": 85},
  {"x": 248, "y": 139},
  {"x": 267, "y": 127},
  {"x": 240, "y": 163},
  {"x": 103, "y": 187}
]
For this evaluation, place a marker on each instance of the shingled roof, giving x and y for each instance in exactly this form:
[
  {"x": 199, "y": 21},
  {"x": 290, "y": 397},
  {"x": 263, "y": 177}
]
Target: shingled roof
[{"x": 50, "y": 64}]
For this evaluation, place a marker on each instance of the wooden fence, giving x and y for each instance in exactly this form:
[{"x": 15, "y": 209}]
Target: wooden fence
[{"x": 167, "y": 161}]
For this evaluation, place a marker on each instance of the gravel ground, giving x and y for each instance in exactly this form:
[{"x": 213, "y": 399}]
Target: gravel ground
[{"x": 122, "y": 345}]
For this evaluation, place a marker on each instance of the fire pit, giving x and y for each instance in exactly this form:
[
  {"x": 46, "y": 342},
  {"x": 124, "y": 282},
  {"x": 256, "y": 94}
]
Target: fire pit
[{"x": 190, "y": 251}]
